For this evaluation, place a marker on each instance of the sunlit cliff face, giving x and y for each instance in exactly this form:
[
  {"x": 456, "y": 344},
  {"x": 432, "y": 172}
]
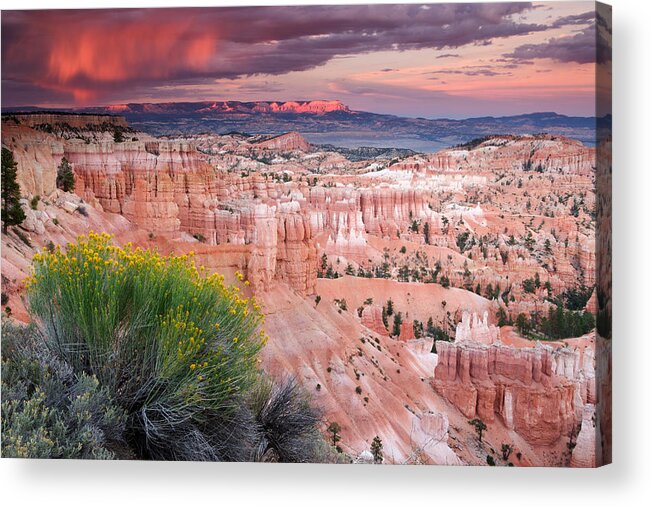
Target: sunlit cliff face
[{"x": 406, "y": 59}]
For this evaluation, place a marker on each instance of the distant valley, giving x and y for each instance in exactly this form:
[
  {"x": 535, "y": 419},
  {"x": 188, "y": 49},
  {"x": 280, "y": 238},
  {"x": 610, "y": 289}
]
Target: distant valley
[{"x": 332, "y": 122}]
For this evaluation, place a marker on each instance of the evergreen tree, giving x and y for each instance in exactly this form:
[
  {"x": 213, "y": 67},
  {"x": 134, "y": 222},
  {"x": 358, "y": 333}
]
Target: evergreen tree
[
  {"x": 324, "y": 262},
  {"x": 397, "y": 321},
  {"x": 334, "y": 429},
  {"x": 506, "y": 451},
  {"x": 523, "y": 324},
  {"x": 418, "y": 329},
  {"x": 65, "y": 176},
  {"x": 480, "y": 427},
  {"x": 385, "y": 319},
  {"x": 376, "y": 450},
  {"x": 502, "y": 318},
  {"x": 426, "y": 232},
  {"x": 430, "y": 327},
  {"x": 12, "y": 213}
]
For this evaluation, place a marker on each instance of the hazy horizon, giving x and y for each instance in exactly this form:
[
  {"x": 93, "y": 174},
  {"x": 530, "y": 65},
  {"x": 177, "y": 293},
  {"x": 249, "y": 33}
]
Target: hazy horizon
[{"x": 83, "y": 109}]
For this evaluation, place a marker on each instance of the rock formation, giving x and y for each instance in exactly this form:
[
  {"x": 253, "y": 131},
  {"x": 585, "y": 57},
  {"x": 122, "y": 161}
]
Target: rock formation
[
  {"x": 516, "y": 384},
  {"x": 538, "y": 391},
  {"x": 584, "y": 454},
  {"x": 450, "y": 238},
  {"x": 474, "y": 329}
]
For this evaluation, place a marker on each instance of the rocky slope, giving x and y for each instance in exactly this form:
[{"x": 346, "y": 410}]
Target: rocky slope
[{"x": 329, "y": 245}]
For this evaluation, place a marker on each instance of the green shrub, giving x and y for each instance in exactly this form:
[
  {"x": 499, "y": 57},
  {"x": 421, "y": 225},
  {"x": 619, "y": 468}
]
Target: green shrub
[
  {"x": 33, "y": 203},
  {"x": 47, "y": 411},
  {"x": 176, "y": 349},
  {"x": 141, "y": 356}
]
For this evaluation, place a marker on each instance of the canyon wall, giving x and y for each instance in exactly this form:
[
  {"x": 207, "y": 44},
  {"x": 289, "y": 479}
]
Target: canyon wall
[{"x": 540, "y": 391}]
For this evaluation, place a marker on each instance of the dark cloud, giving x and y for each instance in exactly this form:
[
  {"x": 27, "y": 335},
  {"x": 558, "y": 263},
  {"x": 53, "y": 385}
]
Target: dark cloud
[
  {"x": 97, "y": 54},
  {"x": 585, "y": 18},
  {"x": 449, "y": 55},
  {"x": 473, "y": 71},
  {"x": 588, "y": 45},
  {"x": 578, "y": 48}
]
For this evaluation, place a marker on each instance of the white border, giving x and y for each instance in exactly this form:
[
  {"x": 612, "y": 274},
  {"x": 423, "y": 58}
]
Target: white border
[{"x": 626, "y": 482}]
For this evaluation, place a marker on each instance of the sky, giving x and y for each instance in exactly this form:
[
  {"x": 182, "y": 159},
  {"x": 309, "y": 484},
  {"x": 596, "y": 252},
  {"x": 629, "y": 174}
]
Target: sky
[{"x": 436, "y": 61}]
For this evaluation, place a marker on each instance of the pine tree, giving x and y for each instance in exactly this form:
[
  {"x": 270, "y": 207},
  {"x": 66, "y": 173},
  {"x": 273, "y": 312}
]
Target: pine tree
[
  {"x": 65, "y": 176},
  {"x": 376, "y": 450},
  {"x": 335, "y": 429},
  {"x": 431, "y": 330},
  {"x": 385, "y": 319},
  {"x": 397, "y": 321},
  {"x": 480, "y": 427},
  {"x": 502, "y": 317},
  {"x": 418, "y": 329},
  {"x": 12, "y": 213}
]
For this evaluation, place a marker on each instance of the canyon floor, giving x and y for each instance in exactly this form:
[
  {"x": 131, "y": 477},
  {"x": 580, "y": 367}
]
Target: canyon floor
[{"x": 396, "y": 288}]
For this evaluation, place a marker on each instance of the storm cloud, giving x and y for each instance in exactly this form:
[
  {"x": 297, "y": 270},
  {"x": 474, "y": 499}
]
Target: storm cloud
[{"x": 91, "y": 55}]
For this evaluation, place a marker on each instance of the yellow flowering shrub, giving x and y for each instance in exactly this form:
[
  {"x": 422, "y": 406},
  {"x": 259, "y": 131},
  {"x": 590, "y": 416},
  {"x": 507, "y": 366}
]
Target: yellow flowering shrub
[{"x": 154, "y": 328}]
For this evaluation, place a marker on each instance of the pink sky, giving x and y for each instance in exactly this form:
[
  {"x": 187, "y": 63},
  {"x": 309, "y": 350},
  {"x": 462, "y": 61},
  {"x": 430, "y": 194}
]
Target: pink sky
[{"x": 439, "y": 60}]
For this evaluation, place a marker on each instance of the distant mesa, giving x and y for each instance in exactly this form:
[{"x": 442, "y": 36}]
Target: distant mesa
[{"x": 228, "y": 107}]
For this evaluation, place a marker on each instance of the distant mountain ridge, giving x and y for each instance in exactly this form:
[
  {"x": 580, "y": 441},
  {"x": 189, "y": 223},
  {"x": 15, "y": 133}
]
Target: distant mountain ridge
[
  {"x": 225, "y": 107},
  {"x": 332, "y": 122}
]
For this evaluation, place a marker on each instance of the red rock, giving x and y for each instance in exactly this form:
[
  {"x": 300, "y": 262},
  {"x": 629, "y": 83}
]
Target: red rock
[
  {"x": 518, "y": 384},
  {"x": 372, "y": 319},
  {"x": 292, "y": 141}
]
